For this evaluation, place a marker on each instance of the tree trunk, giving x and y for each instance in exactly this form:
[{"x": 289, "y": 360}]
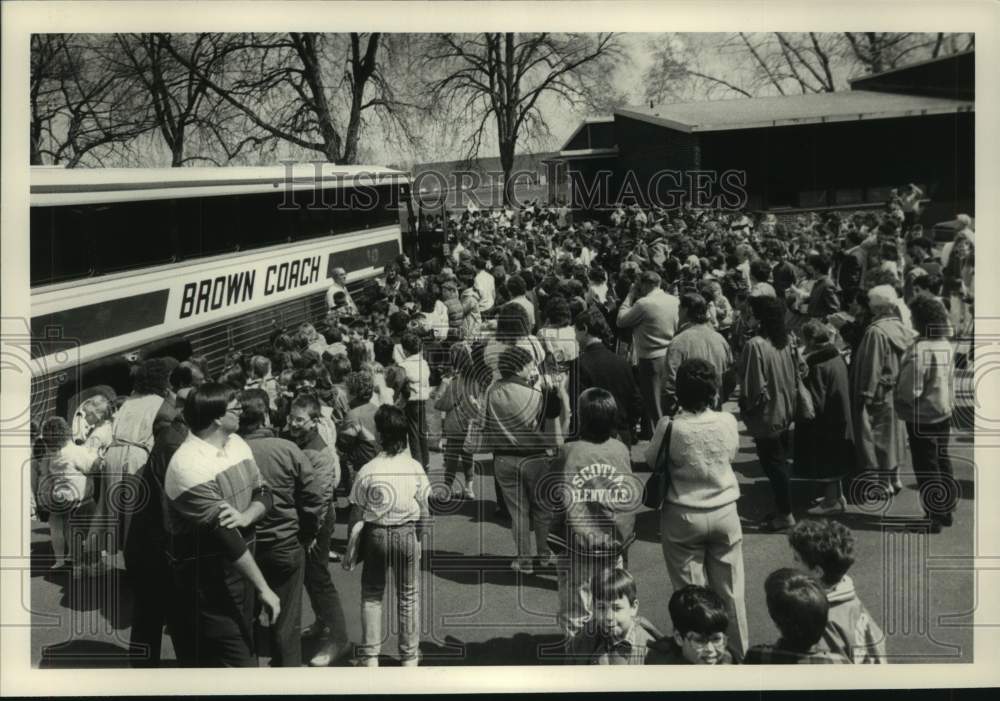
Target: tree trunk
[
  {"x": 507, "y": 163},
  {"x": 36, "y": 145},
  {"x": 177, "y": 155}
]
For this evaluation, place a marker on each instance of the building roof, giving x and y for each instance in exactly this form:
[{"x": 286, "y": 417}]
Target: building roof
[
  {"x": 950, "y": 58},
  {"x": 600, "y": 119},
  {"x": 952, "y": 76},
  {"x": 786, "y": 110}
]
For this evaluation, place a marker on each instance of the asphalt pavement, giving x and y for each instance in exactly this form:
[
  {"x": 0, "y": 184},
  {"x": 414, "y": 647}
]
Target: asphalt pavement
[{"x": 919, "y": 587}]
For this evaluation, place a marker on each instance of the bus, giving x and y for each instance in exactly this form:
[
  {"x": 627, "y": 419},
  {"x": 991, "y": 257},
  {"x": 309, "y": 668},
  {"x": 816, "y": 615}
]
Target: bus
[{"x": 128, "y": 264}]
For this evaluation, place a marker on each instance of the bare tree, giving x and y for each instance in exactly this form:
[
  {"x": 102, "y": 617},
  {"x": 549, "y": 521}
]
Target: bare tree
[
  {"x": 82, "y": 107},
  {"x": 194, "y": 123},
  {"x": 788, "y": 63},
  {"x": 313, "y": 91},
  {"x": 498, "y": 81}
]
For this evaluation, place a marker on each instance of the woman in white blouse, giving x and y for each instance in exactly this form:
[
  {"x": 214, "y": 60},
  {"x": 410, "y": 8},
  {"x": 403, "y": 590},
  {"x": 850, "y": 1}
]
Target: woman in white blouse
[{"x": 699, "y": 526}]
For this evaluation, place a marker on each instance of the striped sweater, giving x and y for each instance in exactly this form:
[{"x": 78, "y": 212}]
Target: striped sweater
[{"x": 200, "y": 477}]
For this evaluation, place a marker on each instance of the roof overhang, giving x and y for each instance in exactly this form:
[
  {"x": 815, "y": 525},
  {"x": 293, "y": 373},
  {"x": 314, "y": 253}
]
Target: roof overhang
[
  {"x": 582, "y": 153},
  {"x": 602, "y": 119},
  {"x": 909, "y": 66},
  {"x": 794, "y": 121}
]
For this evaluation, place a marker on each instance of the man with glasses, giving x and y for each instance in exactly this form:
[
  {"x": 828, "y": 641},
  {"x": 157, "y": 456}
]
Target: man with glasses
[
  {"x": 289, "y": 530},
  {"x": 330, "y": 626},
  {"x": 215, "y": 494}
]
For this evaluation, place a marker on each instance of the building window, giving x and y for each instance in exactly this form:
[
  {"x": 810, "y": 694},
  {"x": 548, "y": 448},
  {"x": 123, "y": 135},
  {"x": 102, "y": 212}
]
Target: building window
[
  {"x": 813, "y": 198},
  {"x": 849, "y": 195},
  {"x": 878, "y": 194}
]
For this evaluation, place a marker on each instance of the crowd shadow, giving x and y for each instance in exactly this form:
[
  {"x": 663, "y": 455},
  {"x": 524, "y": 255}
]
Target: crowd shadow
[
  {"x": 522, "y": 649},
  {"x": 107, "y": 594},
  {"x": 486, "y": 568},
  {"x": 85, "y": 654}
]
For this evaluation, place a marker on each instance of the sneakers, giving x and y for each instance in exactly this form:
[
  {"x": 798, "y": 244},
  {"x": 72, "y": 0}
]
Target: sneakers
[
  {"x": 522, "y": 566},
  {"x": 824, "y": 508},
  {"x": 315, "y": 630},
  {"x": 328, "y": 654},
  {"x": 323, "y": 657},
  {"x": 549, "y": 560},
  {"x": 777, "y": 524},
  {"x": 469, "y": 492}
]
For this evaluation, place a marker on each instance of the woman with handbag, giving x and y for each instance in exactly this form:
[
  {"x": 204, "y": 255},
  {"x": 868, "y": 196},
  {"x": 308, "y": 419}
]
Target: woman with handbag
[
  {"x": 769, "y": 382},
  {"x": 700, "y": 528},
  {"x": 512, "y": 431}
]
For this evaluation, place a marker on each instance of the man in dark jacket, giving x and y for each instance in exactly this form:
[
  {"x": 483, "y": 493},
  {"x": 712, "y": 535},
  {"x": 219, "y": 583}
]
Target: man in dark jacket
[
  {"x": 146, "y": 563},
  {"x": 823, "y": 299},
  {"x": 601, "y": 367},
  {"x": 290, "y": 528},
  {"x": 330, "y": 626}
]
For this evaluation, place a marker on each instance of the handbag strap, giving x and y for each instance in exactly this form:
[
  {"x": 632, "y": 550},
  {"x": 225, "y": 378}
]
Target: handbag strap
[{"x": 663, "y": 456}]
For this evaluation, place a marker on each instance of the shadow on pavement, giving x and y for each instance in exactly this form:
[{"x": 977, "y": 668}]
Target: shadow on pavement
[
  {"x": 520, "y": 649},
  {"x": 84, "y": 654},
  {"x": 473, "y": 570}
]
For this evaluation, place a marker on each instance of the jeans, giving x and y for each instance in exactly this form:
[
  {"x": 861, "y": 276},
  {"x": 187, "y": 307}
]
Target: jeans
[
  {"x": 575, "y": 594},
  {"x": 215, "y": 620},
  {"x": 652, "y": 379},
  {"x": 322, "y": 592},
  {"x": 932, "y": 466},
  {"x": 457, "y": 460},
  {"x": 518, "y": 478},
  {"x": 416, "y": 419},
  {"x": 390, "y": 548},
  {"x": 772, "y": 452},
  {"x": 283, "y": 567},
  {"x": 705, "y": 547}
]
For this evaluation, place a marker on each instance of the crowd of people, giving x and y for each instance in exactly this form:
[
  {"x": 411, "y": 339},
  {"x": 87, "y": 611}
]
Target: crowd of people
[{"x": 555, "y": 348}]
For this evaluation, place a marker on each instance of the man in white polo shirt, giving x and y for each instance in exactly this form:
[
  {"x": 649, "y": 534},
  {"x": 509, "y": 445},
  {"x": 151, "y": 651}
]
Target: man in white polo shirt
[{"x": 339, "y": 284}]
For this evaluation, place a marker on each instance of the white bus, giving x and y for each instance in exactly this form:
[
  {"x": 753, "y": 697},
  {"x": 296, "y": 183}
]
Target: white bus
[{"x": 133, "y": 263}]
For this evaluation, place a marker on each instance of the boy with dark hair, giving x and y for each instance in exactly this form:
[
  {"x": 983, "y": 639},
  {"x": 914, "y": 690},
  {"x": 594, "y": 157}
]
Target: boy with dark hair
[
  {"x": 825, "y": 549},
  {"x": 797, "y": 604},
  {"x": 700, "y": 621},
  {"x": 617, "y": 634}
]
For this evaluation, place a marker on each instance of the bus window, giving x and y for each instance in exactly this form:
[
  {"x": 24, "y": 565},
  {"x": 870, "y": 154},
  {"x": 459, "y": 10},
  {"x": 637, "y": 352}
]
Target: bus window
[
  {"x": 61, "y": 245},
  {"x": 133, "y": 235},
  {"x": 260, "y": 222},
  {"x": 219, "y": 226}
]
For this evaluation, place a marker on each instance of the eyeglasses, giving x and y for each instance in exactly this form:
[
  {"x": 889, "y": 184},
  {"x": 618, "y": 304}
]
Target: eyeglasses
[
  {"x": 238, "y": 409},
  {"x": 714, "y": 640}
]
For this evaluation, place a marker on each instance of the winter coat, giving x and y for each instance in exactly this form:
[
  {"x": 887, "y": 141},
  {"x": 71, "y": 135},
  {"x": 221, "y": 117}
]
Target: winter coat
[
  {"x": 824, "y": 446},
  {"x": 850, "y": 629},
  {"x": 879, "y": 437},
  {"x": 768, "y": 381}
]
